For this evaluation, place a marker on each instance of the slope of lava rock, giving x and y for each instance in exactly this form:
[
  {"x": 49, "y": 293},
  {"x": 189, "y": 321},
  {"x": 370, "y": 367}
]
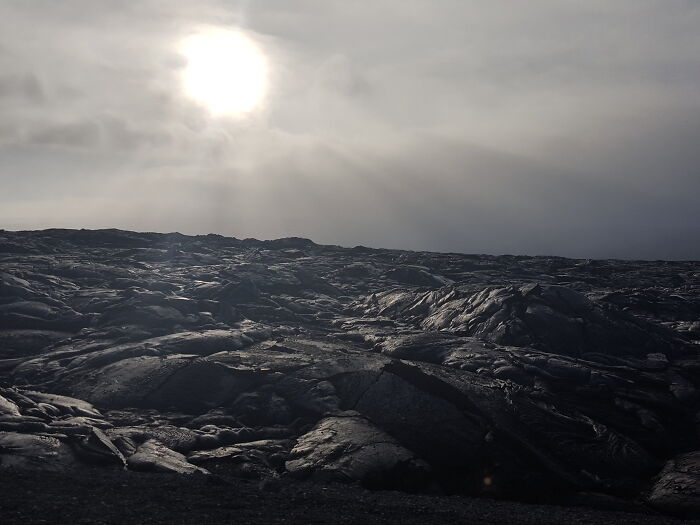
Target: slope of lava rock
[{"x": 507, "y": 376}]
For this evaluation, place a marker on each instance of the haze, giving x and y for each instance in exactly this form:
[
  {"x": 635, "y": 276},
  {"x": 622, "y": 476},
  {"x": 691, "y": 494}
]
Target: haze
[{"x": 523, "y": 127}]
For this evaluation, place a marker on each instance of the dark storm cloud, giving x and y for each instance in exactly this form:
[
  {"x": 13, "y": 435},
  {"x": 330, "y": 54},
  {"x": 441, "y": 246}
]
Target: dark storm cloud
[{"x": 532, "y": 127}]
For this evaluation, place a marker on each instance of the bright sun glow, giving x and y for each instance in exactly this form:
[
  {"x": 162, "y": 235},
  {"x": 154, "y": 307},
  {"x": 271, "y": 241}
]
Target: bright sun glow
[{"x": 226, "y": 72}]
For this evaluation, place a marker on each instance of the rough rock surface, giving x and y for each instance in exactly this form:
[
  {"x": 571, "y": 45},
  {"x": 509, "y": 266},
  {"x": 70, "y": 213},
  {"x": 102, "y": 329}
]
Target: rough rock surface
[
  {"x": 350, "y": 448},
  {"x": 154, "y": 456},
  {"x": 678, "y": 487},
  {"x": 523, "y": 377}
]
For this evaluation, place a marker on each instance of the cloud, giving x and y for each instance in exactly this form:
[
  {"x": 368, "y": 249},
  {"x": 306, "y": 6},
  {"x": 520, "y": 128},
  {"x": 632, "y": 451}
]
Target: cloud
[
  {"x": 540, "y": 127},
  {"x": 25, "y": 87}
]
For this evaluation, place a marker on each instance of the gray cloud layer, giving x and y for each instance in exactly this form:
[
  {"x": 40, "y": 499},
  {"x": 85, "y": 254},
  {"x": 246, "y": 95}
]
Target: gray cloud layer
[{"x": 534, "y": 127}]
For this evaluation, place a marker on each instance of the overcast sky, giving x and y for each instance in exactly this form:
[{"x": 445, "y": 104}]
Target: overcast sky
[{"x": 524, "y": 127}]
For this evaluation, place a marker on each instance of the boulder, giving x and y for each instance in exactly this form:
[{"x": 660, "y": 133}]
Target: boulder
[
  {"x": 350, "y": 448},
  {"x": 677, "y": 489}
]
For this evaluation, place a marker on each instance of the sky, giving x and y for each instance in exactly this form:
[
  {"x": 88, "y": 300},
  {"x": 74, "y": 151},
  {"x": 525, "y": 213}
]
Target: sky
[{"x": 536, "y": 127}]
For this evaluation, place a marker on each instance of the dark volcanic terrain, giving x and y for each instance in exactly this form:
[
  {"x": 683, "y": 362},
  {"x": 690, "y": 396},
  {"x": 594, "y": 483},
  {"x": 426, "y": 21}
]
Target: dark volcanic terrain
[{"x": 279, "y": 367}]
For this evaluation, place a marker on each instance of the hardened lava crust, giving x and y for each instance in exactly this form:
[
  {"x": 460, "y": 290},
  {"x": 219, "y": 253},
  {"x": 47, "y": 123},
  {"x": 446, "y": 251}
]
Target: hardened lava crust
[{"x": 289, "y": 373}]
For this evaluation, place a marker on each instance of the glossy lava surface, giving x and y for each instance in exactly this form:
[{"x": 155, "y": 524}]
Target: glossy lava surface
[{"x": 518, "y": 377}]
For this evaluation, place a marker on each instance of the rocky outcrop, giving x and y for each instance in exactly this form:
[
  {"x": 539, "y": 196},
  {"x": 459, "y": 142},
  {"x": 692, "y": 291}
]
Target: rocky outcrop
[
  {"x": 349, "y": 448},
  {"x": 553, "y": 319},
  {"x": 22, "y": 450},
  {"x": 155, "y": 457}
]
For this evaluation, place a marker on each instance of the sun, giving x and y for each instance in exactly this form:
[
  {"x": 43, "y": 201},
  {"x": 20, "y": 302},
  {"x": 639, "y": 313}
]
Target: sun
[{"x": 226, "y": 72}]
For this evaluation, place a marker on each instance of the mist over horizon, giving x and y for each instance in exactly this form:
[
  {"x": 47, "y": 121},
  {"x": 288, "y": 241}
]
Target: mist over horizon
[{"x": 539, "y": 129}]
